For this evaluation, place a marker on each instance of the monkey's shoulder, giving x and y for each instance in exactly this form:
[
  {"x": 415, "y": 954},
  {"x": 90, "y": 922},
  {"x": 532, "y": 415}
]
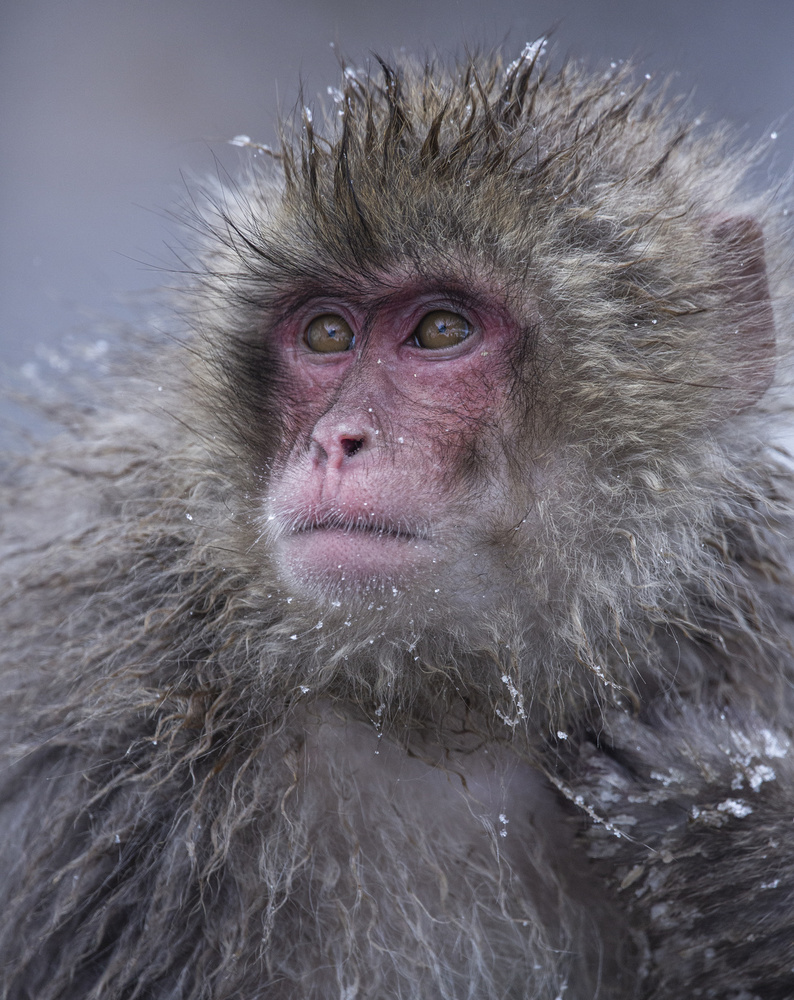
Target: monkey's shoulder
[{"x": 689, "y": 824}]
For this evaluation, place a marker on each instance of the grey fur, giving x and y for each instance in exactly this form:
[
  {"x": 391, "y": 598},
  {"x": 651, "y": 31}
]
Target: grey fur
[{"x": 217, "y": 787}]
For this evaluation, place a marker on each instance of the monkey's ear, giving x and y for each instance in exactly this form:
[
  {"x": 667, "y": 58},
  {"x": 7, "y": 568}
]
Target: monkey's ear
[{"x": 739, "y": 244}]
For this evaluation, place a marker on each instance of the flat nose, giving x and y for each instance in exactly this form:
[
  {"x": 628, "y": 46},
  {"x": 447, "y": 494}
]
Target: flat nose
[{"x": 338, "y": 440}]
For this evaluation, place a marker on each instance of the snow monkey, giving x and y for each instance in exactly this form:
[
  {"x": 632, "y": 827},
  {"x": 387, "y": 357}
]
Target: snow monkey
[{"x": 418, "y": 624}]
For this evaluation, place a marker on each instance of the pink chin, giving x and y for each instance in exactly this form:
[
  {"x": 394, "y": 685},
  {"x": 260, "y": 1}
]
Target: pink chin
[{"x": 335, "y": 556}]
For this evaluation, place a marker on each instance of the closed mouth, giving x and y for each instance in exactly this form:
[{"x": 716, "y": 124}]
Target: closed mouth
[{"x": 359, "y": 525}]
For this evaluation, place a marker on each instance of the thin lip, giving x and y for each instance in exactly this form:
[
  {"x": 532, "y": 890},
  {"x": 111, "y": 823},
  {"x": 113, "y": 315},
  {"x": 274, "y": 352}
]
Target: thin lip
[{"x": 378, "y": 529}]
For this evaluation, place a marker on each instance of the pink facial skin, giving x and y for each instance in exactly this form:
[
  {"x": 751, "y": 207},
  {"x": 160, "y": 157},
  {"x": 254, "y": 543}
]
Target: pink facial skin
[{"x": 369, "y": 488}]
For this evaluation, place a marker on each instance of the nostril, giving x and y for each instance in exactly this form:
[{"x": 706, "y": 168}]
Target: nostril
[
  {"x": 337, "y": 440},
  {"x": 351, "y": 445}
]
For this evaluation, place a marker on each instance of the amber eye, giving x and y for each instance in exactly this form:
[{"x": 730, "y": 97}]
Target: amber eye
[
  {"x": 441, "y": 329},
  {"x": 328, "y": 334}
]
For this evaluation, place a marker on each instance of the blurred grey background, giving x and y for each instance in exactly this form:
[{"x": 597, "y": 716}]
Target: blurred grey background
[{"x": 104, "y": 102}]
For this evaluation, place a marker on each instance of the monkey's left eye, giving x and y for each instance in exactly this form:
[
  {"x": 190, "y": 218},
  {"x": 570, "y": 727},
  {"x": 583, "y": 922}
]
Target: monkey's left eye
[
  {"x": 329, "y": 334},
  {"x": 441, "y": 329}
]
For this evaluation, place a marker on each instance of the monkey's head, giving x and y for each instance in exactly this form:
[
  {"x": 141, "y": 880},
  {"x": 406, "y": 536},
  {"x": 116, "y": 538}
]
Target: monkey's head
[{"x": 485, "y": 339}]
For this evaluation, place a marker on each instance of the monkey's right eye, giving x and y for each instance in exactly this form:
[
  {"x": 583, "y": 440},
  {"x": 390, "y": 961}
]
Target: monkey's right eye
[{"x": 329, "y": 334}]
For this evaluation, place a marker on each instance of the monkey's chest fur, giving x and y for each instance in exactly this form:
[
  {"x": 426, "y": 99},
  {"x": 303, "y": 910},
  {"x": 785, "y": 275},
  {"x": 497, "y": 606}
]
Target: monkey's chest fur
[
  {"x": 328, "y": 856},
  {"x": 325, "y": 860},
  {"x": 453, "y": 869},
  {"x": 393, "y": 865},
  {"x": 376, "y": 867}
]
